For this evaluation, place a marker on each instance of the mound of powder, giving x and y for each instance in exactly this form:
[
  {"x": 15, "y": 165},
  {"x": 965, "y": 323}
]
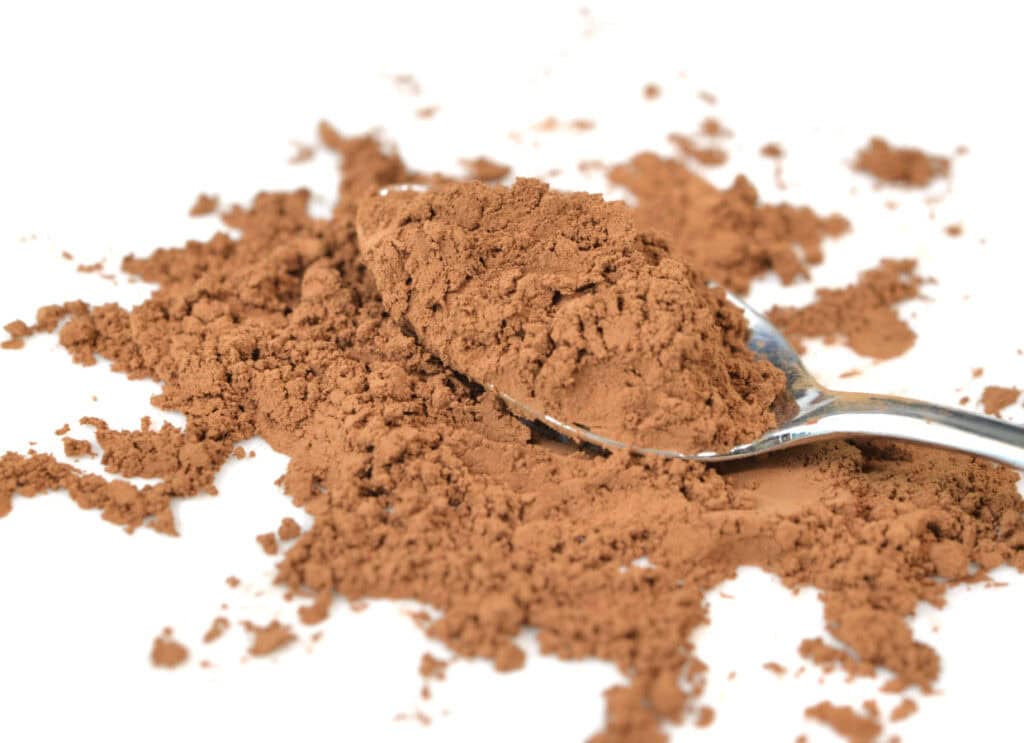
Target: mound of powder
[
  {"x": 419, "y": 486},
  {"x": 863, "y": 315},
  {"x": 558, "y": 301},
  {"x": 728, "y": 236},
  {"x": 907, "y": 166}
]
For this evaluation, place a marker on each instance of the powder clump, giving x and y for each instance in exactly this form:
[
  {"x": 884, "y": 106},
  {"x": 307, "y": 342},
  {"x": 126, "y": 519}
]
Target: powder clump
[
  {"x": 862, "y": 315},
  {"x": 167, "y": 652},
  {"x": 558, "y": 301},
  {"x": 486, "y": 170},
  {"x": 846, "y": 721},
  {"x": 204, "y": 204},
  {"x": 907, "y": 166},
  {"x": 994, "y": 399}
]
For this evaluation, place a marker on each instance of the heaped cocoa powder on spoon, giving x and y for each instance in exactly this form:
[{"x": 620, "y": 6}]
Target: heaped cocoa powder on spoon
[
  {"x": 421, "y": 486},
  {"x": 559, "y": 302}
]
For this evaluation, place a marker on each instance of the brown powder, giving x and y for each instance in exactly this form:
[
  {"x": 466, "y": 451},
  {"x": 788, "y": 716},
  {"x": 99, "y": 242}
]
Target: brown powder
[
  {"x": 903, "y": 710},
  {"x": 421, "y": 487},
  {"x": 861, "y": 315},
  {"x": 907, "y": 166},
  {"x": 777, "y": 668},
  {"x": 217, "y": 629},
  {"x": 62, "y": 430},
  {"x": 77, "y": 447},
  {"x": 652, "y": 91},
  {"x": 167, "y": 652},
  {"x": 486, "y": 170},
  {"x": 303, "y": 153},
  {"x": 994, "y": 398},
  {"x": 204, "y": 204},
  {"x": 954, "y": 230},
  {"x": 855, "y": 727},
  {"x": 432, "y": 668},
  {"x": 427, "y": 112},
  {"x": 704, "y": 155},
  {"x": 773, "y": 151},
  {"x": 546, "y": 296},
  {"x": 727, "y": 235},
  {"x": 268, "y": 542},
  {"x": 289, "y": 529},
  {"x": 269, "y": 638}
]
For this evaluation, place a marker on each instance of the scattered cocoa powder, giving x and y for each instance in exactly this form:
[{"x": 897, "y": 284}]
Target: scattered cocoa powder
[
  {"x": 432, "y": 668},
  {"x": 269, "y": 638},
  {"x": 704, "y": 155},
  {"x": 90, "y": 267},
  {"x": 219, "y": 626},
  {"x": 421, "y": 486},
  {"x": 167, "y": 652},
  {"x": 652, "y": 91},
  {"x": 268, "y": 542},
  {"x": 727, "y": 235},
  {"x": 545, "y": 296},
  {"x": 845, "y": 720},
  {"x": 954, "y": 230},
  {"x": 303, "y": 153},
  {"x": 427, "y": 112},
  {"x": 994, "y": 398},
  {"x": 903, "y": 710},
  {"x": 77, "y": 447},
  {"x": 777, "y": 668},
  {"x": 861, "y": 315},
  {"x": 62, "y": 430},
  {"x": 486, "y": 170},
  {"x": 289, "y": 529},
  {"x": 904, "y": 165},
  {"x": 203, "y": 205},
  {"x": 773, "y": 150}
]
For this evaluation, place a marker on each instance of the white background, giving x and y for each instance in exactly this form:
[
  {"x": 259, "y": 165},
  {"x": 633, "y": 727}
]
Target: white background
[{"x": 115, "y": 117}]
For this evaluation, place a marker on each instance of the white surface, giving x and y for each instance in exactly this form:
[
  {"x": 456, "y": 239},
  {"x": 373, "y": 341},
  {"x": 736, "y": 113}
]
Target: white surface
[{"x": 116, "y": 117}]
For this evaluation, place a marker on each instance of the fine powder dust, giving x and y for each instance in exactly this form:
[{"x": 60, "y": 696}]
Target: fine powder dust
[
  {"x": 551, "y": 298},
  {"x": 422, "y": 486}
]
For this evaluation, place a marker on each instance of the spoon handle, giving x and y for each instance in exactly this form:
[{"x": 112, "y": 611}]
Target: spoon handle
[{"x": 859, "y": 414}]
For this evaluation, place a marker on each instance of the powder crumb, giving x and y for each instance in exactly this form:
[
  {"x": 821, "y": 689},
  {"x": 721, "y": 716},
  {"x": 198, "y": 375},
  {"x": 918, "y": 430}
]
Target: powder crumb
[
  {"x": 238, "y": 452},
  {"x": 219, "y": 626},
  {"x": 581, "y": 125},
  {"x": 303, "y": 153},
  {"x": 703, "y": 155},
  {"x": 964, "y": 400},
  {"x": 861, "y": 315},
  {"x": 289, "y": 529},
  {"x": 828, "y": 658},
  {"x": 232, "y": 581},
  {"x": 90, "y": 267},
  {"x": 203, "y": 205},
  {"x": 846, "y": 722},
  {"x": 77, "y": 448},
  {"x": 977, "y": 372},
  {"x": 66, "y": 255},
  {"x": 850, "y": 373},
  {"x": 705, "y": 716},
  {"x": 995, "y": 399},
  {"x": 318, "y": 611},
  {"x": 773, "y": 151},
  {"x": 777, "y": 668},
  {"x": 266, "y": 640},
  {"x": 904, "y": 165},
  {"x": 903, "y": 710},
  {"x": 486, "y": 170},
  {"x": 432, "y": 668},
  {"x": 168, "y": 652},
  {"x": 652, "y": 91},
  {"x": 708, "y": 98},
  {"x": 268, "y": 542},
  {"x": 954, "y": 230},
  {"x": 427, "y": 112},
  {"x": 62, "y": 430}
]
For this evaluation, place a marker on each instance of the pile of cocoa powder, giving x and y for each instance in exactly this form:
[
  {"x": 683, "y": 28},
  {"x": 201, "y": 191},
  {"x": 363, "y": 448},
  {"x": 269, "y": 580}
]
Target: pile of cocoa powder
[{"x": 421, "y": 485}]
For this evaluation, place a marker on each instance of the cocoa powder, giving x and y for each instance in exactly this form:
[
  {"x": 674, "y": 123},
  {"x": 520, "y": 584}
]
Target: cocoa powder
[
  {"x": 728, "y": 236},
  {"x": 421, "y": 486},
  {"x": 549, "y": 298},
  {"x": 995, "y": 398},
  {"x": 906, "y": 166},
  {"x": 861, "y": 315}
]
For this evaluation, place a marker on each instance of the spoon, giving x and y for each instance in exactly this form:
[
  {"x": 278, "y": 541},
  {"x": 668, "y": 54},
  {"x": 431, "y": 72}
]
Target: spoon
[{"x": 815, "y": 413}]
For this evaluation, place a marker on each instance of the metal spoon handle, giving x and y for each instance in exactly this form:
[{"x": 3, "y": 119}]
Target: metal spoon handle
[{"x": 859, "y": 414}]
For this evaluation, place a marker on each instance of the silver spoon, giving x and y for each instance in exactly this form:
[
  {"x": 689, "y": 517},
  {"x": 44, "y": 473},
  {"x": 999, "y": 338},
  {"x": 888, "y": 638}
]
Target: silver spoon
[{"x": 818, "y": 413}]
